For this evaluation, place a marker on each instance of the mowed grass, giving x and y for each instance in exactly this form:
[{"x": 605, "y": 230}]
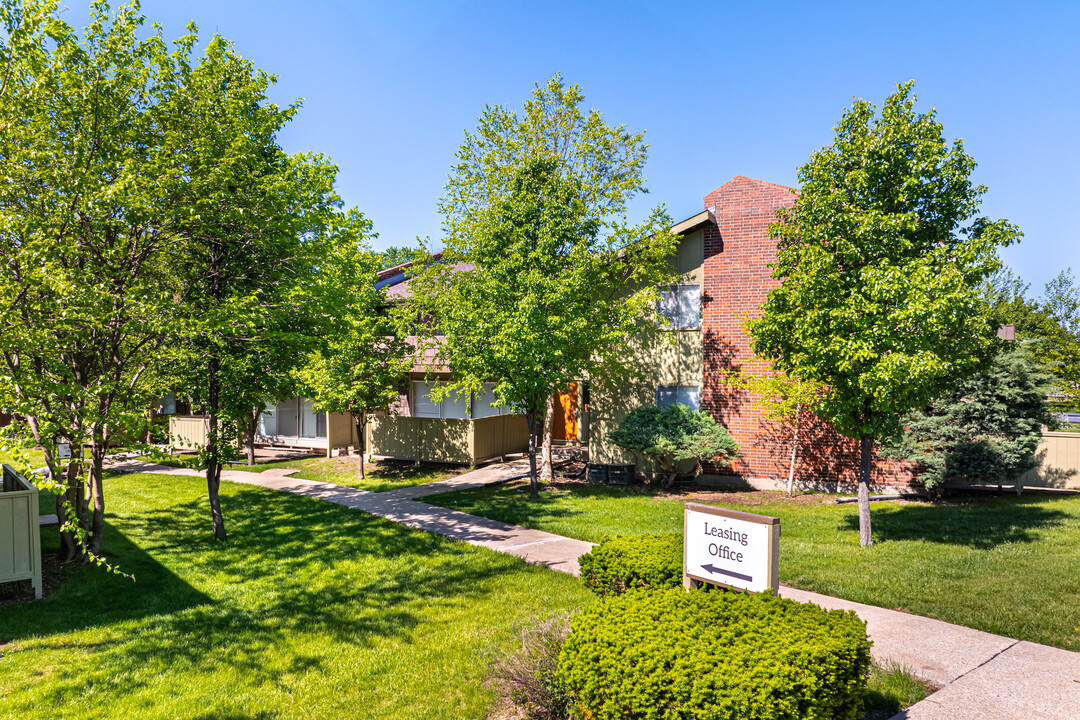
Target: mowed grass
[
  {"x": 34, "y": 458},
  {"x": 309, "y": 610},
  {"x": 379, "y": 476},
  {"x": 1006, "y": 565}
]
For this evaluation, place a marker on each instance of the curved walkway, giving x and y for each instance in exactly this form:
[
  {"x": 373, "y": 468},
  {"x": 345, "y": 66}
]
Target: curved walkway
[{"x": 982, "y": 676}]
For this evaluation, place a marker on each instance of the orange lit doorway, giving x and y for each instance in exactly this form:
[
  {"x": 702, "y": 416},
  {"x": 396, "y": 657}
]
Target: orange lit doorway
[{"x": 565, "y": 425}]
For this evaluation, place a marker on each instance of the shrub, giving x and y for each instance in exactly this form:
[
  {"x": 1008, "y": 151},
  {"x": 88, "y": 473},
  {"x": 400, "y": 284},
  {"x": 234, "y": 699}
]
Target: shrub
[
  {"x": 528, "y": 675},
  {"x": 671, "y": 434},
  {"x": 633, "y": 561},
  {"x": 985, "y": 429},
  {"x": 717, "y": 655}
]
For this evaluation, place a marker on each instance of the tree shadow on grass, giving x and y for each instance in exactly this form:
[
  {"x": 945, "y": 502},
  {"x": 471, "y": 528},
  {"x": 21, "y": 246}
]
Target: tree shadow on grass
[
  {"x": 976, "y": 523},
  {"x": 90, "y": 596},
  {"x": 294, "y": 571}
]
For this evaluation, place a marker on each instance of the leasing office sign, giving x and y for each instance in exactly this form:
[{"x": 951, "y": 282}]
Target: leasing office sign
[{"x": 732, "y": 548}]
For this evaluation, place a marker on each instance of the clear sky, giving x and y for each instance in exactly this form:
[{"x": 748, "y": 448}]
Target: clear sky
[{"x": 722, "y": 89}]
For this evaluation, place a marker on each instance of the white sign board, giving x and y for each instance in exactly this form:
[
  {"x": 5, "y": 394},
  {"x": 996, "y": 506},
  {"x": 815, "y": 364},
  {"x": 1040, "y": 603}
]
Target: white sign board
[
  {"x": 63, "y": 451},
  {"x": 732, "y": 548}
]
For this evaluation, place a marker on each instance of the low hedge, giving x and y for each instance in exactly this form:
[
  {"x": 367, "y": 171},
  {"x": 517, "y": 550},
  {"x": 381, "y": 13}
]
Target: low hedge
[
  {"x": 716, "y": 655},
  {"x": 634, "y": 561}
]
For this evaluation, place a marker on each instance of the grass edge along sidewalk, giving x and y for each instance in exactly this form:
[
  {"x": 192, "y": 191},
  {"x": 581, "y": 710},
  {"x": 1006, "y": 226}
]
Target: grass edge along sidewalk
[
  {"x": 308, "y": 604},
  {"x": 937, "y": 651},
  {"x": 1007, "y": 566}
]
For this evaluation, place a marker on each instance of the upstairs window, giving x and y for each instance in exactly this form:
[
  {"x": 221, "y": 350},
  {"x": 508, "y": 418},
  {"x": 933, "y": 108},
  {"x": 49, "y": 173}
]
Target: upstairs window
[
  {"x": 680, "y": 305},
  {"x": 677, "y": 395}
]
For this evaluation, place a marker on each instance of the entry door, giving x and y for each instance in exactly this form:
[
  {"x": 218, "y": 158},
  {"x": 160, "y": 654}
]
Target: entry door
[{"x": 566, "y": 415}]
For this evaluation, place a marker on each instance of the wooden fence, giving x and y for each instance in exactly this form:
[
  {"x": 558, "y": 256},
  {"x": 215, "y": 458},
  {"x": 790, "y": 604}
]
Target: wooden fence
[
  {"x": 188, "y": 432},
  {"x": 451, "y": 441},
  {"x": 20, "y": 536},
  {"x": 1059, "y": 462}
]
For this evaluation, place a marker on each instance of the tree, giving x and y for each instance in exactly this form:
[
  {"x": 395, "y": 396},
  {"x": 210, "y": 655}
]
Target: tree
[
  {"x": 1049, "y": 327},
  {"x": 1061, "y": 300},
  {"x": 251, "y": 304},
  {"x": 879, "y": 259},
  {"x": 786, "y": 401},
  {"x": 986, "y": 429},
  {"x": 83, "y": 234},
  {"x": 361, "y": 368},
  {"x": 559, "y": 279},
  {"x": 672, "y": 434},
  {"x": 395, "y": 255}
]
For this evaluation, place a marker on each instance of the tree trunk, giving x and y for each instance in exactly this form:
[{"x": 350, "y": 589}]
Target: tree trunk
[
  {"x": 68, "y": 498},
  {"x": 82, "y": 503},
  {"x": 252, "y": 425},
  {"x": 532, "y": 421},
  {"x": 97, "y": 495},
  {"x": 360, "y": 419},
  {"x": 213, "y": 483},
  {"x": 547, "y": 468},
  {"x": 866, "y": 444},
  {"x": 213, "y": 464},
  {"x": 794, "y": 452}
]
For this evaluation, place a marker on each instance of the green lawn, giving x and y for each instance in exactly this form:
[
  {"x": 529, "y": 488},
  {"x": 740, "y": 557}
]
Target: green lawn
[
  {"x": 1005, "y": 565},
  {"x": 309, "y": 610},
  {"x": 36, "y": 458},
  {"x": 380, "y": 476}
]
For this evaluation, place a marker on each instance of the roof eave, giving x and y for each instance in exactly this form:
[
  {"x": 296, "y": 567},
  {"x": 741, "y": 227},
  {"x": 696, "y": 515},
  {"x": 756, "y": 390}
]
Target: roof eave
[{"x": 693, "y": 223}]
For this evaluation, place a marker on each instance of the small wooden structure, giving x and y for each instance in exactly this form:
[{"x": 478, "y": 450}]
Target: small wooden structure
[
  {"x": 458, "y": 440},
  {"x": 20, "y": 534},
  {"x": 294, "y": 422}
]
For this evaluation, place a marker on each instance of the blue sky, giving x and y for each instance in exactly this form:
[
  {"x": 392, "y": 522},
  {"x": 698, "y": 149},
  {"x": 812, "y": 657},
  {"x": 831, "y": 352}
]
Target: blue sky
[{"x": 721, "y": 88}]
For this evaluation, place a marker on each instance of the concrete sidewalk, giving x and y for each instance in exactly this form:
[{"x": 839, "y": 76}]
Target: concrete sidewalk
[
  {"x": 534, "y": 546},
  {"x": 982, "y": 676}
]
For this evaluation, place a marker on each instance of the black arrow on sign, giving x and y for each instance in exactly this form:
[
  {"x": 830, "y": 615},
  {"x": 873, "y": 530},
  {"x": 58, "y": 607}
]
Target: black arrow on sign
[{"x": 720, "y": 571}]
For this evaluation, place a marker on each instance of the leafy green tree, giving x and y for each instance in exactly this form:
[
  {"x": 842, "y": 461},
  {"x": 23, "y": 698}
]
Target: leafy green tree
[
  {"x": 785, "y": 401},
  {"x": 395, "y": 255},
  {"x": 669, "y": 435},
  {"x": 984, "y": 430},
  {"x": 83, "y": 233},
  {"x": 1049, "y": 327},
  {"x": 879, "y": 260},
  {"x": 362, "y": 366},
  {"x": 1061, "y": 299},
  {"x": 559, "y": 279},
  {"x": 1008, "y": 303},
  {"x": 251, "y": 303}
]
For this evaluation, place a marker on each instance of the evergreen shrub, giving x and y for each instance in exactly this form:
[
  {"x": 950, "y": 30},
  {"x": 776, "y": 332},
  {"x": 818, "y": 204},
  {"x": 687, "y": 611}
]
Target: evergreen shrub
[
  {"x": 669, "y": 435},
  {"x": 714, "y": 655},
  {"x": 634, "y": 561}
]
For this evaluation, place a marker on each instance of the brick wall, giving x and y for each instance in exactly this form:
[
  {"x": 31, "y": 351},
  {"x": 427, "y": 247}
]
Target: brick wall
[{"x": 738, "y": 251}]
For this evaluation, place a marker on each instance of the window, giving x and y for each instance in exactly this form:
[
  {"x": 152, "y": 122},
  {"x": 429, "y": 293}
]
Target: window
[
  {"x": 483, "y": 403},
  {"x": 454, "y": 406},
  {"x": 677, "y": 395},
  {"x": 423, "y": 405},
  {"x": 449, "y": 407},
  {"x": 268, "y": 420},
  {"x": 681, "y": 306}
]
